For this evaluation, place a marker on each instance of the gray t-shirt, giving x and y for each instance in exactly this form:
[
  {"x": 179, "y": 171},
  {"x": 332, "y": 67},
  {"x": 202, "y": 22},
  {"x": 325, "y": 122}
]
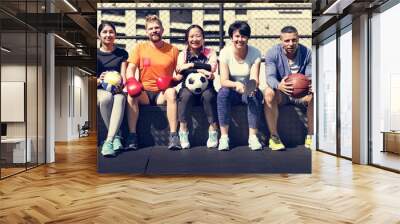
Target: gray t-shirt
[{"x": 239, "y": 71}]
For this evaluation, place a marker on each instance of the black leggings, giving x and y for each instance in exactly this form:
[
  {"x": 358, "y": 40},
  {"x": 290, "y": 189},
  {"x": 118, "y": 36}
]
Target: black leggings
[{"x": 187, "y": 99}]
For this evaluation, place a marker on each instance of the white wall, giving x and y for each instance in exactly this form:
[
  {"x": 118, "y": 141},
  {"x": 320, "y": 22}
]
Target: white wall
[{"x": 71, "y": 102}]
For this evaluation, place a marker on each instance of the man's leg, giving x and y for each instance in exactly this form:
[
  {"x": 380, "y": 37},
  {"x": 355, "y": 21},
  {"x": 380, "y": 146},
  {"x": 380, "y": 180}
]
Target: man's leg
[
  {"x": 272, "y": 100},
  {"x": 169, "y": 96},
  {"x": 310, "y": 115},
  {"x": 309, "y": 101},
  {"x": 133, "y": 109},
  {"x": 133, "y": 115},
  {"x": 271, "y": 112}
]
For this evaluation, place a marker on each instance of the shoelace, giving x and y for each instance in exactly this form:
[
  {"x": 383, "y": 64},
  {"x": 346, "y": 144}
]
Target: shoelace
[{"x": 276, "y": 139}]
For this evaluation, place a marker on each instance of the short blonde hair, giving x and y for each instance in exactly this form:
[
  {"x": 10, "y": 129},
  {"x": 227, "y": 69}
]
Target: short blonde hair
[{"x": 151, "y": 19}]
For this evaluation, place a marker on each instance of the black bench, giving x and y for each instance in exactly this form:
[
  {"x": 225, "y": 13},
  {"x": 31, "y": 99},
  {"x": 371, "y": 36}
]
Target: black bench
[
  {"x": 153, "y": 129},
  {"x": 153, "y": 157}
]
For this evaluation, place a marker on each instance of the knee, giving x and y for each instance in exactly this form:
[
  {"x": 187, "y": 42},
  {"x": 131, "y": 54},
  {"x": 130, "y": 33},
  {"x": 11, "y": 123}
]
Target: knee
[
  {"x": 257, "y": 99},
  {"x": 185, "y": 95},
  {"x": 269, "y": 94},
  {"x": 270, "y": 97},
  {"x": 208, "y": 96},
  {"x": 132, "y": 100},
  {"x": 223, "y": 93},
  {"x": 170, "y": 95},
  {"x": 106, "y": 99},
  {"x": 120, "y": 98}
]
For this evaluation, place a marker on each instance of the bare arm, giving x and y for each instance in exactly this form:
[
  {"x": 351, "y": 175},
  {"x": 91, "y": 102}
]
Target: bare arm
[
  {"x": 181, "y": 66},
  {"x": 225, "y": 82},
  {"x": 130, "y": 71},
  {"x": 124, "y": 64},
  {"x": 255, "y": 71}
]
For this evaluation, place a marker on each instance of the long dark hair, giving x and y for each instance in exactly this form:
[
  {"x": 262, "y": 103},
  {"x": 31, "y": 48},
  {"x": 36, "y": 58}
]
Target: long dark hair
[{"x": 191, "y": 27}]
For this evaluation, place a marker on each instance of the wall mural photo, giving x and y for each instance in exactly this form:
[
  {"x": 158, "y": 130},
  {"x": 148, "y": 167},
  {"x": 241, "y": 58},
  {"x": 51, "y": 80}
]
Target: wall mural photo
[{"x": 204, "y": 88}]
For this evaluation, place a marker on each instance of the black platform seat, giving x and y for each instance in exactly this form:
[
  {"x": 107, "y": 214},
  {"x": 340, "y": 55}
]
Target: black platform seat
[{"x": 153, "y": 127}]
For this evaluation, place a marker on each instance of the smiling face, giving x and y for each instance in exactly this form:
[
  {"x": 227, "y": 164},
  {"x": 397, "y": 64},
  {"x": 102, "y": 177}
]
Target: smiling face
[
  {"x": 290, "y": 42},
  {"x": 107, "y": 35},
  {"x": 154, "y": 31},
  {"x": 195, "y": 38},
  {"x": 239, "y": 41}
]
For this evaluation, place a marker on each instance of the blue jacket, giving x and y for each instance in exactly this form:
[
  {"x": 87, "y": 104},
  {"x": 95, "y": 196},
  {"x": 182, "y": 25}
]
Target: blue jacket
[{"x": 277, "y": 67}]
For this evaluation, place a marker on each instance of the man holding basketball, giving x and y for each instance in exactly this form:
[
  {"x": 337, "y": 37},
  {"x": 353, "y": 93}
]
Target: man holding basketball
[{"x": 281, "y": 60}]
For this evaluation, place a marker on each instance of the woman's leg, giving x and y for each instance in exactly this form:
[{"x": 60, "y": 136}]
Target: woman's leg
[
  {"x": 254, "y": 107},
  {"x": 224, "y": 109},
  {"x": 225, "y": 99},
  {"x": 105, "y": 102},
  {"x": 117, "y": 115},
  {"x": 185, "y": 105},
  {"x": 209, "y": 100}
]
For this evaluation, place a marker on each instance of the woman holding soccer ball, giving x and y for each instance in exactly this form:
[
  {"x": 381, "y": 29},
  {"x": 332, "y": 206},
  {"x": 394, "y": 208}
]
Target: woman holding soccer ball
[
  {"x": 239, "y": 70},
  {"x": 195, "y": 67},
  {"x": 111, "y": 67}
]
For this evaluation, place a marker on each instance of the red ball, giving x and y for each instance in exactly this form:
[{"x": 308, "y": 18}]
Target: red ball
[
  {"x": 300, "y": 84},
  {"x": 164, "y": 82},
  {"x": 133, "y": 87}
]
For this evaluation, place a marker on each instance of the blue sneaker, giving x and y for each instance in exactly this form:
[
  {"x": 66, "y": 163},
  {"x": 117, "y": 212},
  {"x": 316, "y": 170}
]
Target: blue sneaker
[
  {"x": 107, "y": 149},
  {"x": 223, "y": 143}
]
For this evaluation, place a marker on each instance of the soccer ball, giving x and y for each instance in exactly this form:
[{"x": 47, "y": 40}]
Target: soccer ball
[
  {"x": 196, "y": 82},
  {"x": 112, "y": 79}
]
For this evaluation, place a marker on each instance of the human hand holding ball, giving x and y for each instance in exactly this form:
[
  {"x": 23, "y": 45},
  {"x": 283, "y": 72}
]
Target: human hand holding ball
[
  {"x": 300, "y": 85},
  {"x": 112, "y": 81}
]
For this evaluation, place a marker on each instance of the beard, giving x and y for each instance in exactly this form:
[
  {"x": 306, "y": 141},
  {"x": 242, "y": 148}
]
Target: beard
[{"x": 155, "y": 37}]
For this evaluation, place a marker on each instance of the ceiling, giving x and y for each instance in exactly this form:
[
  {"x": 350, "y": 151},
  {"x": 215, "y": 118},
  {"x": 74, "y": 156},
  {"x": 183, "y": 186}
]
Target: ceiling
[{"x": 77, "y": 23}]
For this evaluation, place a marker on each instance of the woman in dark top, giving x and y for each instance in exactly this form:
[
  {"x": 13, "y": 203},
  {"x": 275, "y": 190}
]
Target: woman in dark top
[
  {"x": 197, "y": 58},
  {"x": 111, "y": 104}
]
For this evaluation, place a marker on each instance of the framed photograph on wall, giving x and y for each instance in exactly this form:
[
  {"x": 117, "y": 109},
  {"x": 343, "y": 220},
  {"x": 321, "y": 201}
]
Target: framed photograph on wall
[{"x": 204, "y": 88}]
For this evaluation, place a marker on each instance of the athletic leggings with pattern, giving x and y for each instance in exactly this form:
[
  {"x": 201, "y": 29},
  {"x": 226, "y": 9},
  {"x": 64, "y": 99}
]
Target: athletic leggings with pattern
[{"x": 228, "y": 97}]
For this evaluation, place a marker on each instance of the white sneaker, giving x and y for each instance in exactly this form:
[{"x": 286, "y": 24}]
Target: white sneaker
[
  {"x": 184, "y": 139},
  {"x": 212, "y": 141},
  {"x": 254, "y": 144},
  {"x": 223, "y": 143}
]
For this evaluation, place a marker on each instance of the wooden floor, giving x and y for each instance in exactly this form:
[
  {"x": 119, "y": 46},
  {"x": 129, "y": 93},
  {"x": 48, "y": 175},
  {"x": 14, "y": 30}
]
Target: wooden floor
[
  {"x": 386, "y": 159},
  {"x": 70, "y": 191}
]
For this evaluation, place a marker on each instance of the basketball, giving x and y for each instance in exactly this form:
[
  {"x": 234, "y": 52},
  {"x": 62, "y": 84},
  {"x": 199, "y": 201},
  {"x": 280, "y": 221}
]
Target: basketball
[{"x": 300, "y": 84}]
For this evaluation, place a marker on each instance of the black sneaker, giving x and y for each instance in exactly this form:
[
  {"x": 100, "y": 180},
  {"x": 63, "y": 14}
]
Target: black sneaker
[
  {"x": 174, "y": 143},
  {"x": 131, "y": 142}
]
